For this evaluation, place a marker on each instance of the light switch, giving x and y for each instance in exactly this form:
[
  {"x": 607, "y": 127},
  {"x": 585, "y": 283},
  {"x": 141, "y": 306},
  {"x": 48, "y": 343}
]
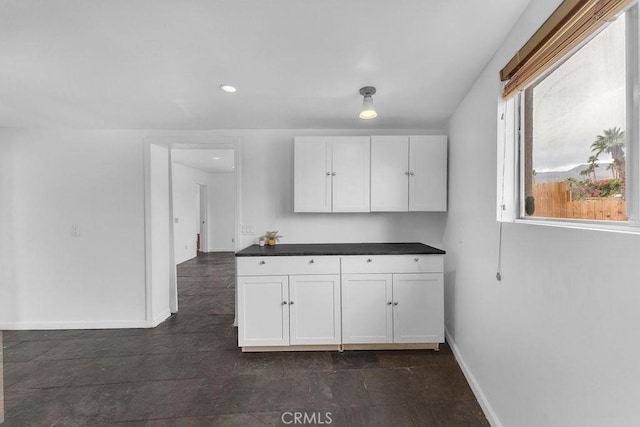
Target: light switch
[
  {"x": 248, "y": 229},
  {"x": 75, "y": 231}
]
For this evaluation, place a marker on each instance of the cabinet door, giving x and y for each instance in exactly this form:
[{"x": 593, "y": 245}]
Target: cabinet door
[
  {"x": 351, "y": 160},
  {"x": 418, "y": 310},
  {"x": 314, "y": 309},
  {"x": 263, "y": 310},
  {"x": 389, "y": 173},
  {"x": 428, "y": 173},
  {"x": 312, "y": 174},
  {"x": 366, "y": 308}
]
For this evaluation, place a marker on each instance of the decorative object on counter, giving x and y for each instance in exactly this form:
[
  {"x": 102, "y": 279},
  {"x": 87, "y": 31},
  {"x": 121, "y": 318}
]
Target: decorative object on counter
[
  {"x": 261, "y": 241},
  {"x": 272, "y": 237}
]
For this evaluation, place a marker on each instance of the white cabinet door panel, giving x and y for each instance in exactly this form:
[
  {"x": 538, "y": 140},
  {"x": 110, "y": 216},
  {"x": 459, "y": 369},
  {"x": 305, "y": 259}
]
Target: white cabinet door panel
[
  {"x": 418, "y": 311},
  {"x": 428, "y": 173},
  {"x": 263, "y": 310},
  {"x": 366, "y": 310},
  {"x": 389, "y": 173},
  {"x": 351, "y": 159},
  {"x": 312, "y": 174},
  {"x": 314, "y": 309}
]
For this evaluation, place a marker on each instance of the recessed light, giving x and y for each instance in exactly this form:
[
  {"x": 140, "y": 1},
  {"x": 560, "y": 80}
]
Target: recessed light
[
  {"x": 216, "y": 158},
  {"x": 228, "y": 88}
]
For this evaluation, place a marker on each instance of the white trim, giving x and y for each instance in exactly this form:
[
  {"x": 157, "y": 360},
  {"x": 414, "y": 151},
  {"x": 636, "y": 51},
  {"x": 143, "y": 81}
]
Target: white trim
[
  {"x": 612, "y": 227},
  {"x": 227, "y": 249},
  {"x": 161, "y": 318},
  {"x": 146, "y": 158},
  {"x": 492, "y": 417},
  {"x": 83, "y": 324}
]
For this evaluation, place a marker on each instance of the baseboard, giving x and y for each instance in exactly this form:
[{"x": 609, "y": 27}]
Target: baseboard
[
  {"x": 475, "y": 387},
  {"x": 161, "y": 318},
  {"x": 220, "y": 250},
  {"x": 106, "y": 324}
]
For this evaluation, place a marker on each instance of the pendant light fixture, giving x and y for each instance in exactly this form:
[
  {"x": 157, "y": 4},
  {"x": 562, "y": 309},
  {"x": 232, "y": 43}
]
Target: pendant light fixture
[{"x": 368, "y": 112}]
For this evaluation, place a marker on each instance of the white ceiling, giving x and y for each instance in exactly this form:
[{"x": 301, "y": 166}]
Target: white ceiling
[
  {"x": 157, "y": 64},
  {"x": 206, "y": 160}
]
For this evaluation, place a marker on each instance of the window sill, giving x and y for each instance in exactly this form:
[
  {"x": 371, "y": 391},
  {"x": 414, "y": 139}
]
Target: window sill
[{"x": 625, "y": 228}]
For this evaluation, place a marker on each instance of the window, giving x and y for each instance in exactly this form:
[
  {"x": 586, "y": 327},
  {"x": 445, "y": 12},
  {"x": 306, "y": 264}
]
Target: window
[
  {"x": 574, "y": 157},
  {"x": 569, "y": 122}
]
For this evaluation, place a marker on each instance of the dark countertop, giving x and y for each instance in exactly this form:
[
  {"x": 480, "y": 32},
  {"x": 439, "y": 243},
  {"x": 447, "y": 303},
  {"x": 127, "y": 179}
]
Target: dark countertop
[{"x": 340, "y": 249}]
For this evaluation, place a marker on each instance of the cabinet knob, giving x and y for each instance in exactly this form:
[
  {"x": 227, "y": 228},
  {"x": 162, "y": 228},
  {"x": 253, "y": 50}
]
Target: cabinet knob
[
  {"x": 407, "y": 173},
  {"x": 369, "y": 260},
  {"x": 333, "y": 174},
  {"x": 284, "y": 303},
  {"x": 395, "y": 303},
  {"x": 290, "y": 302},
  {"x": 411, "y": 173},
  {"x": 328, "y": 173},
  {"x": 263, "y": 262},
  {"x": 311, "y": 262},
  {"x": 389, "y": 303},
  {"x": 416, "y": 259}
]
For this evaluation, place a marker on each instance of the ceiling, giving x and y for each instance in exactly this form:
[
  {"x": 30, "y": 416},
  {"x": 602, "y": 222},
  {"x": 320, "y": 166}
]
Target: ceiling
[
  {"x": 206, "y": 160},
  {"x": 157, "y": 64}
]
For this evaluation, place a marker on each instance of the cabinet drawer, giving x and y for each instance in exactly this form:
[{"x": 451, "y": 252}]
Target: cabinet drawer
[
  {"x": 392, "y": 264},
  {"x": 287, "y": 265}
]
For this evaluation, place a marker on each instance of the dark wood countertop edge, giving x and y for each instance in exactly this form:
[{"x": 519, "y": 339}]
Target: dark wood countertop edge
[{"x": 340, "y": 249}]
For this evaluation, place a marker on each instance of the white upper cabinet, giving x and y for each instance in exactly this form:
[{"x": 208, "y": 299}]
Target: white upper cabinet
[
  {"x": 409, "y": 173},
  {"x": 332, "y": 174},
  {"x": 428, "y": 173},
  {"x": 389, "y": 173},
  {"x": 312, "y": 175}
]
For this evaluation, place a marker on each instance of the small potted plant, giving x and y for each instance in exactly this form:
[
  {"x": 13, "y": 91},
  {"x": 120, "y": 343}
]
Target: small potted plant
[{"x": 271, "y": 237}]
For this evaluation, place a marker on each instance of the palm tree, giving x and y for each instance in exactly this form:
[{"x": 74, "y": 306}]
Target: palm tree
[
  {"x": 612, "y": 142},
  {"x": 592, "y": 164}
]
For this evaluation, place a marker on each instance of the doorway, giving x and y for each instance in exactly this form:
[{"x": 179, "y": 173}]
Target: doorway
[{"x": 202, "y": 215}]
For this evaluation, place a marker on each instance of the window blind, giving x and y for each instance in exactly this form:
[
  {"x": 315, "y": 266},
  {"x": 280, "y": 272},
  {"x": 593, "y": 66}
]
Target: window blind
[{"x": 569, "y": 25}]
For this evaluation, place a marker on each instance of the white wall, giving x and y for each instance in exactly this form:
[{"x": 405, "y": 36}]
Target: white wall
[
  {"x": 185, "y": 180},
  {"x": 222, "y": 212},
  {"x": 267, "y": 199},
  {"x": 159, "y": 242},
  {"x": 53, "y": 179},
  {"x": 49, "y": 182},
  {"x": 555, "y": 343}
]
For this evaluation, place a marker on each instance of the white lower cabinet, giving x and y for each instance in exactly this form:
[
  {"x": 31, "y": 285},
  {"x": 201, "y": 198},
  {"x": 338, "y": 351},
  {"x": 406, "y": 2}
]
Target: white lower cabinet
[
  {"x": 314, "y": 310},
  {"x": 392, "y": 308},
  {"x": 288, "y": 310},
  {"x": 263, "y": 310},
  {"x": 418, "y": 308},
  {"x": 367, "y": 314},
  {"x": 394, "y": 301}
]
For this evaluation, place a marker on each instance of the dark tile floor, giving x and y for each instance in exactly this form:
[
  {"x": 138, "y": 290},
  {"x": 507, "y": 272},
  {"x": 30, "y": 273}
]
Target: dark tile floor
[{"x": 188, "y": 371}]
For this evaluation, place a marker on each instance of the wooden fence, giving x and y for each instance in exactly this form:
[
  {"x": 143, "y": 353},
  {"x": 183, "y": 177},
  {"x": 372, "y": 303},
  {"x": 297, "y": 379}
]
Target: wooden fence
[{"x": 553, "y": 199}]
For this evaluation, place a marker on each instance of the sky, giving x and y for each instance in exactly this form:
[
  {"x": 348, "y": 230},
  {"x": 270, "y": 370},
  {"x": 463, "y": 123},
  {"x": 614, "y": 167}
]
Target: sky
[{"x": 580, "y": 99}]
